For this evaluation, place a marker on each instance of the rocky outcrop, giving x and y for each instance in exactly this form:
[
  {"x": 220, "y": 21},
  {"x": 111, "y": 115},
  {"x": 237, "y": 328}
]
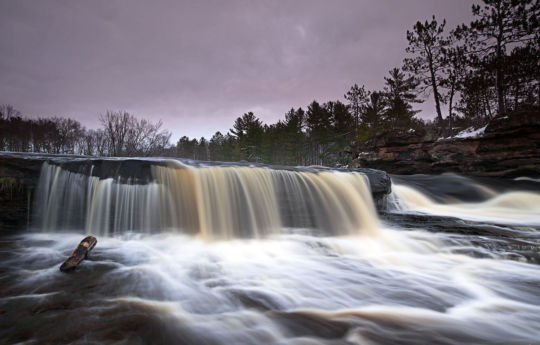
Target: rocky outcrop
[
  {"x": 509, "y": 147},
  {"x": 18, "y": 181}
]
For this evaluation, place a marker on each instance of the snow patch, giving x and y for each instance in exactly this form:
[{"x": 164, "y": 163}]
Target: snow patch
[
  {"x": 471, "y": 132},
  {"x": 466, "y": 133}
]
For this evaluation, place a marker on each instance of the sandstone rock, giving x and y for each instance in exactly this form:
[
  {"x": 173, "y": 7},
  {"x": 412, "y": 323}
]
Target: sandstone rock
[{"x": 510, "y": 147}]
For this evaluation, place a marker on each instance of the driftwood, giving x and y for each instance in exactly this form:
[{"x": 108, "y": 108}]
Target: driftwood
[{"x": 79, "y": 254}]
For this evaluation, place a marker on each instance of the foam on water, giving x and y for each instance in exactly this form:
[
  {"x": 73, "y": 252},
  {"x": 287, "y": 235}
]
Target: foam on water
[
  {"x": 508, "y": 208},
  {"x": 396, "y": 287}
]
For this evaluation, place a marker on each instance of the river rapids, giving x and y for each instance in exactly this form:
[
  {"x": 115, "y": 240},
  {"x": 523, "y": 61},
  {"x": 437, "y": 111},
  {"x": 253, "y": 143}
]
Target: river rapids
[{"x": 250, "y": 255}]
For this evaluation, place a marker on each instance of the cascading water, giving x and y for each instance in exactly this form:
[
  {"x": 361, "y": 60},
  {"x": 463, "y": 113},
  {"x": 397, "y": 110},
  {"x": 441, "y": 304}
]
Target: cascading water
[
  {"x": 519, "y": 207},
  {"x": 215, "y": 202},
  {"x": 451, "y": 262}
]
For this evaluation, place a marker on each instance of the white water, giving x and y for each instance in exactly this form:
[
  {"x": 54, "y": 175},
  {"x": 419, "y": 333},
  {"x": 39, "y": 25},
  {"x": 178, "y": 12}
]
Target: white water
[
  {"x": 301, "y": 259},
  {"x": 402, "y": 288},
  {"x": 508, "y": 208}
]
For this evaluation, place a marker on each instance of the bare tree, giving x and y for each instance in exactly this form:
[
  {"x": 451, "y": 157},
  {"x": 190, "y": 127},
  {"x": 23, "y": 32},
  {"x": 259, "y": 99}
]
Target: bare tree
[
  {"x": 8, "y": 111},
  {"x": 129, "y": 136},
  {"x": 116, "y": 126},
  {"x": 145, "y": 138}
]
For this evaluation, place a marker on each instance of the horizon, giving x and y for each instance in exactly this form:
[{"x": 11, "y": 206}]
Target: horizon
[{"x": 79, "y": 60}]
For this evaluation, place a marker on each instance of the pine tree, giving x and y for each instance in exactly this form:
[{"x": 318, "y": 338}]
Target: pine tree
[
  {"x": 499, "y": 26},
  {"x": 400, "y": 93},
  {"x": 373, "y": 115},
  {"x": 357, "y": 97},
  {"x": 248, "y": 130}
]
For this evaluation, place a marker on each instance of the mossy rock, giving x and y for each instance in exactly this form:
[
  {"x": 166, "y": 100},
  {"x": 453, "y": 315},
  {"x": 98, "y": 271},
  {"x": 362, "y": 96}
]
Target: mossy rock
[{"x": 10, "y": 187}]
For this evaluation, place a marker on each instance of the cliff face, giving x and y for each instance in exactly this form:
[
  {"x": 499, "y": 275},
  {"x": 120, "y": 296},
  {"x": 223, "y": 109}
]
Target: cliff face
[
  {"x": 509, "y": 147},
  {"x": 18, "y": 181}
]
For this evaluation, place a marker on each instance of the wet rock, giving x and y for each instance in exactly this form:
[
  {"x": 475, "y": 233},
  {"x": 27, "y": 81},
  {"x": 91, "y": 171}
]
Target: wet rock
[{"x": 18, "y": 180}]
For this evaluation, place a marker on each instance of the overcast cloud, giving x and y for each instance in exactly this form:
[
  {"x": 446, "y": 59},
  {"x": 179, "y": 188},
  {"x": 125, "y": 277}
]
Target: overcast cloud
[{"x": 197, "y": 65}]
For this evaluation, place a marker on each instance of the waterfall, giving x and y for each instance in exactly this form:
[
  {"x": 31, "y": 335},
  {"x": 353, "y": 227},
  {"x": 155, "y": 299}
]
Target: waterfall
[
  {"x": 215, "y": 202},
  {"x": 195, "y": 253}
]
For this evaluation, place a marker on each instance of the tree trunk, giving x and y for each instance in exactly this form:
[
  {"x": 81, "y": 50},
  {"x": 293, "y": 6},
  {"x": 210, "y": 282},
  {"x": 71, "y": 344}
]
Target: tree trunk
[
  {"x": 499, "y": 64},
  {"x": 488, "y": 106},
  {"x": 79, "y": 254},
  {"x": 450, "y": 109},
  {"x": 435, "y": 89}
]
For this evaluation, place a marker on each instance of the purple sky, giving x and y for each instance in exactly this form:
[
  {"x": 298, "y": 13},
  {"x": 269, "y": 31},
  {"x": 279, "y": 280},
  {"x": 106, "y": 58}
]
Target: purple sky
[{"x": 198, "y": 65}]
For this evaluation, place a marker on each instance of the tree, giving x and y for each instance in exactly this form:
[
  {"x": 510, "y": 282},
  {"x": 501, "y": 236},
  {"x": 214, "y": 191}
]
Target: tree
[
  {"x": 8, "y": 111},
  {"x": 294, "y": 136},
  {"x": 116, "y": 126},
  {"x": 500, "y": 25},
  {"x": 145, "y": 138},
  {"x": 400, "y": 93},
  {"x": 319, "y": 130},
  {"x": 11, "y": 124},
  {"x": 454, "y": 61},
  {"x": 318, "y": 121},
  {"x": 127, "y": 135},
  {"x": 374, "y": 112},
  {"x": 43, "y": 134},
  {"x": 477, "y": 96},
  {"x": 357, "y": 97},
  {"x": 427, "y": 44},
  {"x": 67, "y": 134},
  {"x": 248, "y": 130},
  {"x": 522, "y": 76},
  {"x": 342, "y": 120},
  {"x": 215, "y": 147},
  {"x": 202, "y": 150},
  {"x": 185, "y": 147}
]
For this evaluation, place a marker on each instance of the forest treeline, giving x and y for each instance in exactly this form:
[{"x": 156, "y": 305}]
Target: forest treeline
[{"x": 472, "y": 72}]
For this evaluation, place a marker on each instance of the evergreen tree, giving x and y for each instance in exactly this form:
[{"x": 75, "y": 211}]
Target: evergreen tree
[
  {"x": 454, "y": 71},
  {"x": 319, "y": 129},
  {"x": 295, "y": 137},
  {"x": 400, "y": 93},
  {"x": 375, "y": 110},
  {"x": 342, "y": 119},
  {"x": 185, "y": 147},
  {"x": 215, "y": 147},
  {"x": 498, "y": 27},
  {"x": 248, "y": 130},
  {"x": 202, "y": 150},
  {"x": 427, "y": 44},
  {"x": 357, "y": 97}
]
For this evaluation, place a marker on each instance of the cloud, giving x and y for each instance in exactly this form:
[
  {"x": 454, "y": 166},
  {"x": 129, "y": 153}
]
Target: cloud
[{"x": 199, "y": 65}]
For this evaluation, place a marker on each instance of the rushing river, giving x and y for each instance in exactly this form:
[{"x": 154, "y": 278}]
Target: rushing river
[{"x": 239, "y": 255}]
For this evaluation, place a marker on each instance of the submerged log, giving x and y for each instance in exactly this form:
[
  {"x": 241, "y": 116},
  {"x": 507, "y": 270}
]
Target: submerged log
[{"x": 79, "y": 254}]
